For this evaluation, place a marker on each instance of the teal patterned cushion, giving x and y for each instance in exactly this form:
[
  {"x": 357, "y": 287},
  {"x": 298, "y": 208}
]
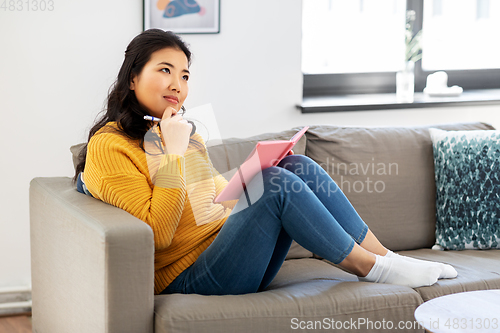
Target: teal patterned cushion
[{"x": 467, "y": 172}]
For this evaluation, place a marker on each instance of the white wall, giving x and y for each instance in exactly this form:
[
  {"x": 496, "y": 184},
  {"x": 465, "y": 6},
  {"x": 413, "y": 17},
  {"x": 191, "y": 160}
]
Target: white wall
[{"x": 56, "y": 68}]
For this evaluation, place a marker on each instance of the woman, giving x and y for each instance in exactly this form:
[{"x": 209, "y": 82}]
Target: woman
[{"x": 209, "y": 248}]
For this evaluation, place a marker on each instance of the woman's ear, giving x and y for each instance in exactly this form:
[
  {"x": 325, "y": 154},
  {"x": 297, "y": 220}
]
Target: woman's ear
[{"x": 132, "y": 83}]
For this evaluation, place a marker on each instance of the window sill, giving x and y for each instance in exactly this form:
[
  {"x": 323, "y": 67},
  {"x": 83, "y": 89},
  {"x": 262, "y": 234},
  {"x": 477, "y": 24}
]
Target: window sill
[{"x": 338, "y": 103}]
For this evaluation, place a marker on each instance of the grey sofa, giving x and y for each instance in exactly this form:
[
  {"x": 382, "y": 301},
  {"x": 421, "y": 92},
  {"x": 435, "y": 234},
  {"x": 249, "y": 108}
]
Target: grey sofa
[{"x": 92, "y": 263}]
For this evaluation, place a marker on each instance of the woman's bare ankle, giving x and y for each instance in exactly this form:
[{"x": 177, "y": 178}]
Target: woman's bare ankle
[
  {"x": 359, "y": 261},
  {"x": 372, "y": 244}
]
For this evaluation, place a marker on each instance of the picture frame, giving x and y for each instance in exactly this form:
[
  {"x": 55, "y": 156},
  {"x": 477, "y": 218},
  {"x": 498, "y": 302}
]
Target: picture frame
[{"x": 183, "y": 16}]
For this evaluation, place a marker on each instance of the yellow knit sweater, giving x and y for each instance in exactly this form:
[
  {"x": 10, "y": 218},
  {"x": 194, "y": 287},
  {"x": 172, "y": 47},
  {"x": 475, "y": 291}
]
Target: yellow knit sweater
[{"x": 173, "y": 194}]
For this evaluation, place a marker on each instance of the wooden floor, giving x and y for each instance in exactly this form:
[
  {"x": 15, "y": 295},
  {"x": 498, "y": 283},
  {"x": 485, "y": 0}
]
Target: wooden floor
[{"x": 15, "y": 324}]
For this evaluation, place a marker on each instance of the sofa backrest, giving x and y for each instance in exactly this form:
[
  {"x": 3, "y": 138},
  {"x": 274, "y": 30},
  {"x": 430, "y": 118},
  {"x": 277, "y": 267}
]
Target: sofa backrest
[
  {"x": 387, "y": 174},
  {"x": 232, "y": 152}
]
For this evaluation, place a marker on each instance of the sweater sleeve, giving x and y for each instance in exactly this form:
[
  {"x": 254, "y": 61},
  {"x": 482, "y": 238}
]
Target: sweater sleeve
[
  {"x": 113, "y": 176},
  {"x": 220, "y": 184}
]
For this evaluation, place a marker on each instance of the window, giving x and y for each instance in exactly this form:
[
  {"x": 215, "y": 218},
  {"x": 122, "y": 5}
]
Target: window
[
  {"x": 347, "y": 36},
  {"x": 356, "y": 46},
  {"x": 458, "y": 34}
]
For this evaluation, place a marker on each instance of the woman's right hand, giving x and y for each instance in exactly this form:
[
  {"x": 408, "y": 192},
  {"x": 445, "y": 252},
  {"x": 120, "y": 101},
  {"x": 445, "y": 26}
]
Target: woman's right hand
[{"x": 175, "y": 132}]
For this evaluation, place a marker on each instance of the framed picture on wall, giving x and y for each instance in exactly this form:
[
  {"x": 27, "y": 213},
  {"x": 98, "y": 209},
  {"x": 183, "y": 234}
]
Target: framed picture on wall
[{"x": 183, "y": 16}]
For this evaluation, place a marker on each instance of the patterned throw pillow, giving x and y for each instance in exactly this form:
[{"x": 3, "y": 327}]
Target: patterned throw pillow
[{"x": 467, "y": 172}]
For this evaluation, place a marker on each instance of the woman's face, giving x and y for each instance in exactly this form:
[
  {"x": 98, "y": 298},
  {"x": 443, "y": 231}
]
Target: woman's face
[{"x": 163, "y": 82}]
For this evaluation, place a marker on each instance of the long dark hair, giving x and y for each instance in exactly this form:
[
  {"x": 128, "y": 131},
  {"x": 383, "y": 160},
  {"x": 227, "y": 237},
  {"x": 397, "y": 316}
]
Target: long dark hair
[{"x": 123, "y": 106}]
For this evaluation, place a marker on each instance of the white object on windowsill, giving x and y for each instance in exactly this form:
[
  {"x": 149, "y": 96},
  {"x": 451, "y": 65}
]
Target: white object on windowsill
[
  {"x": 445, "y": 92},
  {"x": 437, "y": 86}
]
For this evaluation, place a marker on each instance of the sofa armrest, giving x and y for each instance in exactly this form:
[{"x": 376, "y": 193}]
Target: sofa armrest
[{"x": 92, "y": 264}]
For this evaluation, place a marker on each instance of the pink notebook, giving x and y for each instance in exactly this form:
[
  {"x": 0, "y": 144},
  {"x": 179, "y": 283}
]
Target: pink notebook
[{"x": 264, "y": 155}]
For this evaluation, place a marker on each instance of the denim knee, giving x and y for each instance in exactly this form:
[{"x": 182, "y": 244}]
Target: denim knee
[
  {"x": 302, "y": 165},
  {"x": 310, "y": 172},
  {"x": 291, "y": 160},
  {"x": 281, "y": 180}
]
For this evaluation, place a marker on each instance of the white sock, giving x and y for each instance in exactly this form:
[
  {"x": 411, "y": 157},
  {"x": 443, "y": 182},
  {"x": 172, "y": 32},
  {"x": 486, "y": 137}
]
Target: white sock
[
  {"x": 447, "y": 271},
  {"x": 402, "y": 272}
]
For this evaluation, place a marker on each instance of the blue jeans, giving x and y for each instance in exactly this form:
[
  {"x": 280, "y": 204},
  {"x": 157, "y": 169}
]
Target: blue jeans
[
  {"x": 80, "y": 186},
  {"x": 300, "y": 202}
]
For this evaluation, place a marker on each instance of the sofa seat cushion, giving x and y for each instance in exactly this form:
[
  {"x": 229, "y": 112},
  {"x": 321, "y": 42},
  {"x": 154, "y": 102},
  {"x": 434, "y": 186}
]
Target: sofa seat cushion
[
  {"x": 304, "y": 289},
  {"x": 477, "y": 270}
]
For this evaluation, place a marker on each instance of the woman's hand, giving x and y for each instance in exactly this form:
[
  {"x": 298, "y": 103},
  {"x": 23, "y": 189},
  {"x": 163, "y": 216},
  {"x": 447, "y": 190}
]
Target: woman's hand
[{"x": 175, "y": 132}]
